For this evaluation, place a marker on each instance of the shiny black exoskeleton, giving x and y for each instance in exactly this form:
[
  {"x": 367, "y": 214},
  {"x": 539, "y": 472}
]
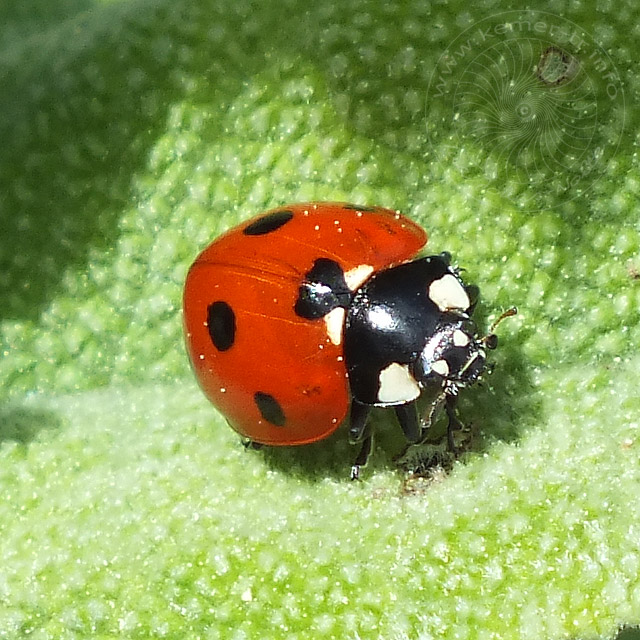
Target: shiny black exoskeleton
[{"x": 407, "y": 328}]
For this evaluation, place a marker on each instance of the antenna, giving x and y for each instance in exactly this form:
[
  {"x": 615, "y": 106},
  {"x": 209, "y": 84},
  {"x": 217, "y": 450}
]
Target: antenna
[{"x": 491, "y": 339}]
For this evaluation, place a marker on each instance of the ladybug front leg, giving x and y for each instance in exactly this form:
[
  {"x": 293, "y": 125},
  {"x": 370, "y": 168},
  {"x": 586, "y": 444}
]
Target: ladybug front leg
[
  {"x": 360, "y": 431},
  {"x": 454, "y": 424},
  {"x": 429, "y": 417},
  {"x": 417, "y": 434}
]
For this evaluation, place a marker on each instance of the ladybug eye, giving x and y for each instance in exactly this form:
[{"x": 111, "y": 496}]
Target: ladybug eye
[{"x": 474, "y": 293}]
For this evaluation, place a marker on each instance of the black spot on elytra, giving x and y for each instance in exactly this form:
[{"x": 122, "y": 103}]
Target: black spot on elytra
[
  {"x": 270, "y": 408},
  {"x": 357, "y": 207},
  {"x": 323, "y": 290},
  {"x": 221, "y": 322},
  {"x": 267, "y": 224}
]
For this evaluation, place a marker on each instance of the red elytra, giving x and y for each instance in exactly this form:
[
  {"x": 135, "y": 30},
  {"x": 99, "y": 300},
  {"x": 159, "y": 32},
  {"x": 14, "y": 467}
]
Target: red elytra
[{"x": 280, "y": 379}]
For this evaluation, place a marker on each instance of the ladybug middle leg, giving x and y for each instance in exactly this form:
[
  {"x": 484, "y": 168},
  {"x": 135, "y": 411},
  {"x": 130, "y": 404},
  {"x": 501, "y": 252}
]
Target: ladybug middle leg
[
  {"x": 360, "y": 431},
  {"x": 363, "y": 456},
  {"x": 407, "y": 415}
]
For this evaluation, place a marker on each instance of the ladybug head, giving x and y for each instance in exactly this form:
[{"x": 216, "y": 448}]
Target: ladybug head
[{"x": 455, "y": 356}]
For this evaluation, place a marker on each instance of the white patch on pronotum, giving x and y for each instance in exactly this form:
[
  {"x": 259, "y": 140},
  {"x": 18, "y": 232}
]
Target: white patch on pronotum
[
  {"x": 397, "y": 385},
  {"x": 460, "y": 338},
  {"x": 334, "y": 321},
  {"x": 441, "y": 367},
  {"x": 448, "y": 294},
  {"x": 356, "y": 276}
]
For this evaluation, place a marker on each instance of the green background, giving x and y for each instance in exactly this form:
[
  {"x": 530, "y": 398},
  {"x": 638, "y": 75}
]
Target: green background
[{"x": 132, "y": 132}]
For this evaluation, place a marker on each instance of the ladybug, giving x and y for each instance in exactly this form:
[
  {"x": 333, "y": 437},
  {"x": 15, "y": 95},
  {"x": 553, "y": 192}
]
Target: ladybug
[{"x": 310, "y": 311}]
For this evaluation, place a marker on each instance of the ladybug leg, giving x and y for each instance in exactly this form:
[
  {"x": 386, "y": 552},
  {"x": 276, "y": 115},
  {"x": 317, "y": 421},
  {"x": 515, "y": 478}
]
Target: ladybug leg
[
  {"x": 430, "y": 415},
  {"x": 360, "y": 431},
  {"x": 474, "y": 294},
  {"x": 358, "y": 421},
  {"x": 454, "y": 423},
  {"x": 407, "y": 415},
  {"x": 363, "y": 456},
  {"x": 247, "y": 443},
  {"x": 423, "y": 423}
]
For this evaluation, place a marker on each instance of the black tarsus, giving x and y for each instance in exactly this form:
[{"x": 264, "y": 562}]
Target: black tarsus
[{"x": 363, "y": 455}]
